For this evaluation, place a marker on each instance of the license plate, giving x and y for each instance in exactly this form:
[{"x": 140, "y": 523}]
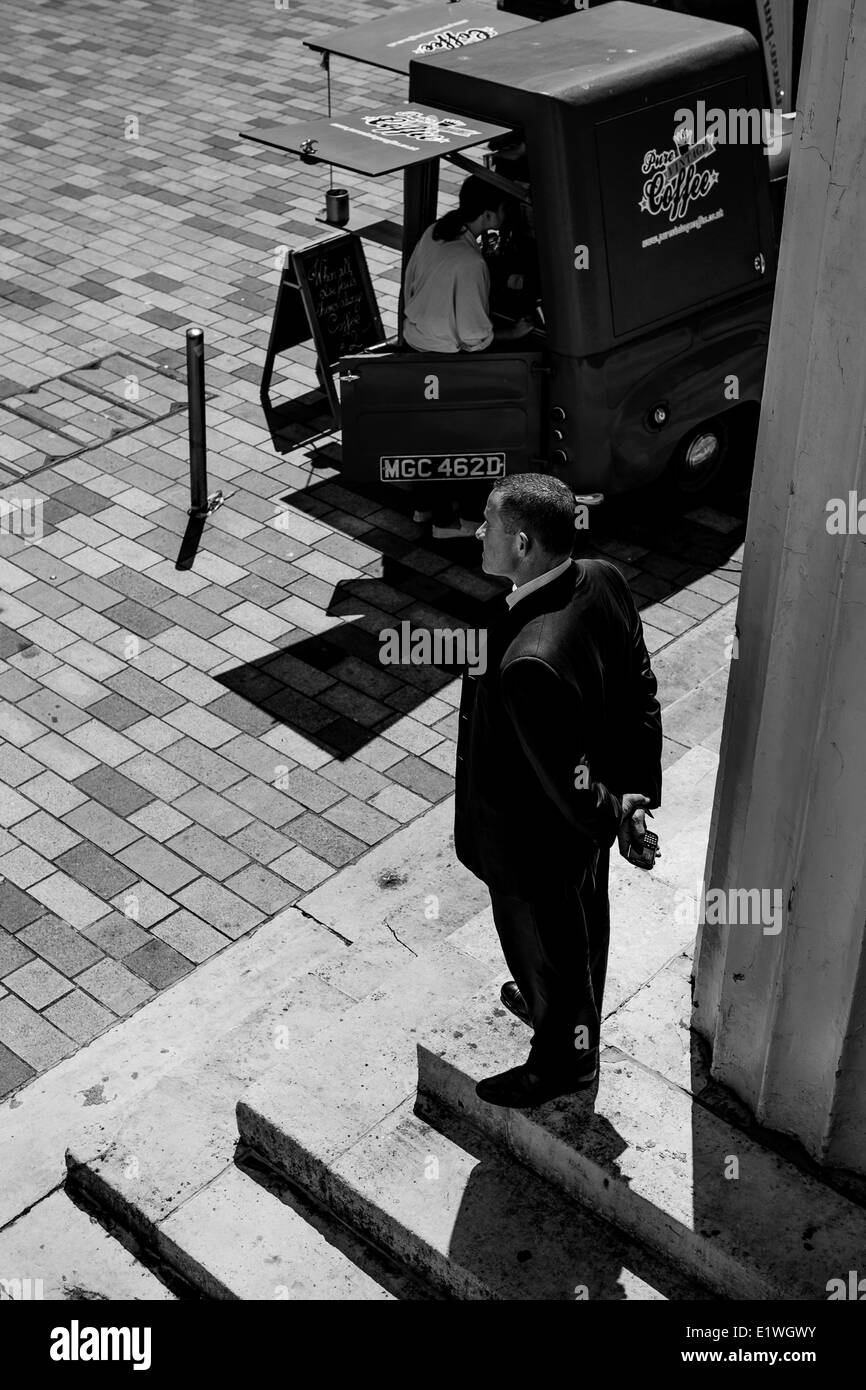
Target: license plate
[{"x": 432, "y": 467}]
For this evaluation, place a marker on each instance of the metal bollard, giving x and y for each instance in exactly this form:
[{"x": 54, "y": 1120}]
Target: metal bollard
[{"x": 200, "y": 503}]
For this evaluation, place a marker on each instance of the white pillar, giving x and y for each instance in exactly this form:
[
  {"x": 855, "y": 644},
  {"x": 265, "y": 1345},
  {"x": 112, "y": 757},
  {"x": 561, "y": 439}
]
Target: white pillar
[{"x": 785, "y": 1014}]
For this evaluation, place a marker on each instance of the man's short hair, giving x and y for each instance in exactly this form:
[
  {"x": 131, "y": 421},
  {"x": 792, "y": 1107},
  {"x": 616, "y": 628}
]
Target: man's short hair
[{"x": 540, "y": 505}]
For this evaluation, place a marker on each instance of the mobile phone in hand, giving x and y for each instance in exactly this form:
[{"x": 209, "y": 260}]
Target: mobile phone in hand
[{"x": 644, "y": 858}]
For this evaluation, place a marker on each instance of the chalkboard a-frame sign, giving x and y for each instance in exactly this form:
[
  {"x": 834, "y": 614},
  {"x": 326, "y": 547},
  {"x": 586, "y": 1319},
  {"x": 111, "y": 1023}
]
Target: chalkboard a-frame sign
[{"x": 325, "y": 294}]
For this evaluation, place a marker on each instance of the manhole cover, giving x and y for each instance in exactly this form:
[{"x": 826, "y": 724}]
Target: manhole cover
[{"x": 83, "y": 408}]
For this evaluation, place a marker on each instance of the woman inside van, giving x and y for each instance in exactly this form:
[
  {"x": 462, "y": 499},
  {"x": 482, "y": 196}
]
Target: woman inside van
[{"x": 446, "y": 308}]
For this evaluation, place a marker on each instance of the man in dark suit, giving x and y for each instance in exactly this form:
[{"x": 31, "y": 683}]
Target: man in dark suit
[{"x": 558, "y": 754}]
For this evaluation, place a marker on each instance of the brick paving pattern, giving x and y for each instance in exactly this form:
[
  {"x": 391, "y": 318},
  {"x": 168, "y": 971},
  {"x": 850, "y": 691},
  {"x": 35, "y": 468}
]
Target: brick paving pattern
[{"x": 185, "y": 752}]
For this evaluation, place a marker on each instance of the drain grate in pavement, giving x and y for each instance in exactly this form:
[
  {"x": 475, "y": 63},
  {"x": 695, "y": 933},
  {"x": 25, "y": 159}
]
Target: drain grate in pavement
[{"x": 87, "y": 406}]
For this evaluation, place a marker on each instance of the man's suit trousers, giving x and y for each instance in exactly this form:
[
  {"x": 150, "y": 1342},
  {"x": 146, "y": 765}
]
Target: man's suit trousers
[{"x": 556, "y": 946}]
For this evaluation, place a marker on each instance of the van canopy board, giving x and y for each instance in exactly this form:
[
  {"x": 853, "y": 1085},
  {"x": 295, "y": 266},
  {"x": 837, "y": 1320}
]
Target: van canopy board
[
  {"x": 378, "y": 141},
  {"x": 442, "y": 27}
]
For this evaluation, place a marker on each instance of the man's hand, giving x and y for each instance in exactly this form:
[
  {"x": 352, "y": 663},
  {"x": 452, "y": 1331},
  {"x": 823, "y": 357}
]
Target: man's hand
[{"x": 632, "y": 826}]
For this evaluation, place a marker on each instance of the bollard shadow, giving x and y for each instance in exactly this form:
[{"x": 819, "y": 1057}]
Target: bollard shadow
[{"x": 190, "y": 543}]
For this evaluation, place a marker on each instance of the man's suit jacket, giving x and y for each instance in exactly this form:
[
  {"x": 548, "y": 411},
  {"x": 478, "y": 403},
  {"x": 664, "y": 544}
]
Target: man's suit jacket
[{"x": 568, "y": 678}]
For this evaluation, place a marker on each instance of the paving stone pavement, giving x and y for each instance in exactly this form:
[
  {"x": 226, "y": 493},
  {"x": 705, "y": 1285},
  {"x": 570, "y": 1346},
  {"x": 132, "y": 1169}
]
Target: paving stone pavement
[{"x": 186, "y": 751}]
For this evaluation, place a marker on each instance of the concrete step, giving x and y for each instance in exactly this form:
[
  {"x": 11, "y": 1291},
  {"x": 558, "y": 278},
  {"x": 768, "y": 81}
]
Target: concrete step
[
  {"x": 468, "y": 1220},
  {"x": 338, "y": 1123},
  {"x": 56, "y": 1251},
  {"x": 682, "y": 823},
  {"x": 182, "y": 1133},
  {"x": 248, "y": 1239},
  {"x": 654, "y": 1025},
  {"x": 81, "y": 1102},
  {"x": 410, "y": 888},
  {"x": 176, "y": 1144},
  {"x": 335, "y": 1086},
  {"x": 238, "y": 1238},
  {"x": 646, "y": 1156},
  {"x": 324, "y": 1015},
  {"x": 695, "y": 656}
]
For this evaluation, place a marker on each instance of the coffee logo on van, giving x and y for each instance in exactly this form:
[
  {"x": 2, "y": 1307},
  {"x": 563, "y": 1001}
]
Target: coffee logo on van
[
  {"x": 420, "y": 125},
  {"x": 675, "y": 180},
  {"x": 455, "y": 38}
]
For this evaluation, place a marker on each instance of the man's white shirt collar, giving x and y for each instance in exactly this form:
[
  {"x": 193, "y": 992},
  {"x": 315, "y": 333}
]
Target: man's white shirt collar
[{"x": 520, "y": 591}]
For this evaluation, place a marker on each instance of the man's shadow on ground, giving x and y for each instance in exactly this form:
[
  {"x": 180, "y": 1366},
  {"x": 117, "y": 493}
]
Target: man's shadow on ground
[
  {"x": 556, "y": 1250},
  {"x": 333, "y": 687}
]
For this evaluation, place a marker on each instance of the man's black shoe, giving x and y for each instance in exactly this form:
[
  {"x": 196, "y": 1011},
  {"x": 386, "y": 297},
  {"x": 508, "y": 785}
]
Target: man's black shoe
[
  {"x": 515, "y": 1002},
  {"x": 521, "y": 1089}
]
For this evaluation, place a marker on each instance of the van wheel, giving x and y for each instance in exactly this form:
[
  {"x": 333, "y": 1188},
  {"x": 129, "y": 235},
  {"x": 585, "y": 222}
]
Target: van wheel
[{"x": 699, "y": 457}]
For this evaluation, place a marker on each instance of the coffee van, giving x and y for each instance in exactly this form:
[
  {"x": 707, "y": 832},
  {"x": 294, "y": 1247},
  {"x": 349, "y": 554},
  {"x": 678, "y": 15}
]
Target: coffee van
[{"x": 652, "y": 214}]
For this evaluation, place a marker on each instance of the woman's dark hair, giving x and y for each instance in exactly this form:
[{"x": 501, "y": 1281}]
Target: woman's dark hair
[{"x": 476, "y": 196}]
